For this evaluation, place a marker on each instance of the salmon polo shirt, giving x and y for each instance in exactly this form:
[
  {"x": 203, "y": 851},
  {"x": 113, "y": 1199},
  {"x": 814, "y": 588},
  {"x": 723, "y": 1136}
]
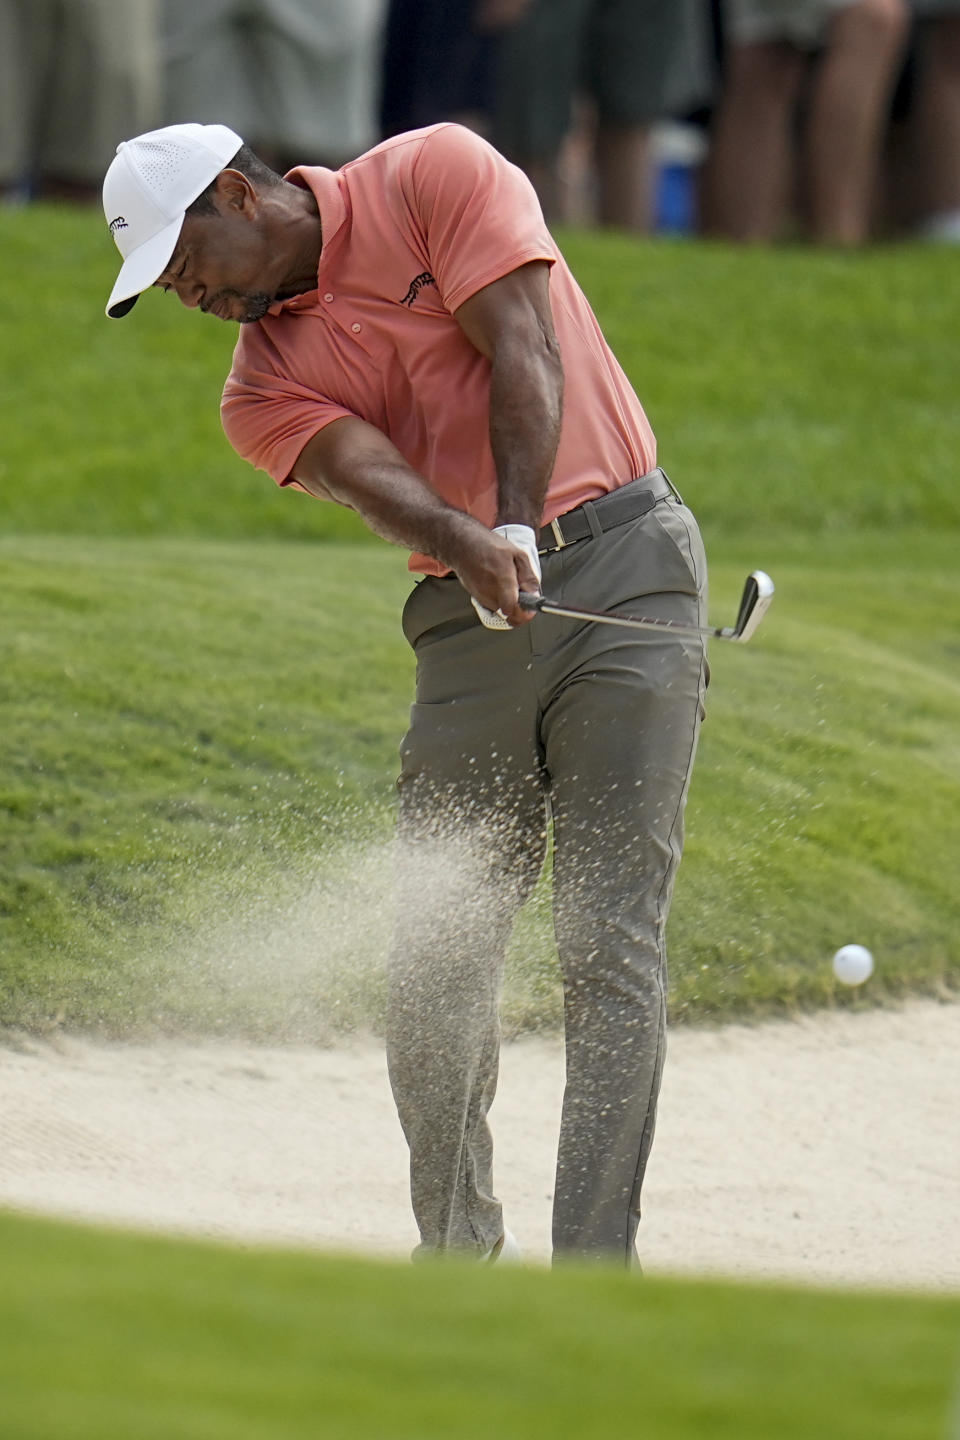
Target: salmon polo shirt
[{"x": 410, "y": 231}]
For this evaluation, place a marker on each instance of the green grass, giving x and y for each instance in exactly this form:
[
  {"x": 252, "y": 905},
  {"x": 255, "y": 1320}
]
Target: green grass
[
  {"x": 201, "y": 704},
  {"x": 187, "y": 727},
  {"x": 199, "y": 759},
  {"x": 792, "y": 391},
  {"x": 107, "y": 1336},
  {"x": 112, "y": 427}
]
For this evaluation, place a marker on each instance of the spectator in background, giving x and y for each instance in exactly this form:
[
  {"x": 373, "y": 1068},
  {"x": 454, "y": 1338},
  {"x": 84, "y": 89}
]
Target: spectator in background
[
  {"x": 638, "y": 61},
  {"x": 440, "y": 61},
  {"x": 858, "y": 45},
  {"x": 934, "y": 124},
  {"x": 296, "y": 76},
  {"x": 76, "y": 77}
]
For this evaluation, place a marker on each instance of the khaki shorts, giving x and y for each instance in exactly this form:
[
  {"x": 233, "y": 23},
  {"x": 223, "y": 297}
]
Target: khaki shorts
[
  {"x": 801, "y": 22},
  {"x": 296, "y": 75},
  {"x": 76, "y": 78}
]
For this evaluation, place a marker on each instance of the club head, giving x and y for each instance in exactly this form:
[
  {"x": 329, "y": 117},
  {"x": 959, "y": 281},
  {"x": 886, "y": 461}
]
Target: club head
[{"x": 754, "y": 603}]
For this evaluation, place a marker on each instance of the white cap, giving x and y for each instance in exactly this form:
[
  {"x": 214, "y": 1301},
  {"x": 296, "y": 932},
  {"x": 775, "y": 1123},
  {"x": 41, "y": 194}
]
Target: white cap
[{"x": 147, "y": 189}]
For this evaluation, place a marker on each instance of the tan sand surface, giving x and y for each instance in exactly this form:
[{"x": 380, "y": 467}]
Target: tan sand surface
[{"x": 821, "y": 1149}]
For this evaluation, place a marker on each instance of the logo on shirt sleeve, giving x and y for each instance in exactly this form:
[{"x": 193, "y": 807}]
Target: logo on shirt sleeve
[{"x": 416, "y": 286}]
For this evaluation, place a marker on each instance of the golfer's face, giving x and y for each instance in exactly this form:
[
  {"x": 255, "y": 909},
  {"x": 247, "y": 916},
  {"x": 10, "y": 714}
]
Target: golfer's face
[{"x": 217, "y": 266}]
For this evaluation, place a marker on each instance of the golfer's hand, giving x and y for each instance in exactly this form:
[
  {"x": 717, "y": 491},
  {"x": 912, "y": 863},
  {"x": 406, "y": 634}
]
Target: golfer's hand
[{"x": 509, "y": 566}]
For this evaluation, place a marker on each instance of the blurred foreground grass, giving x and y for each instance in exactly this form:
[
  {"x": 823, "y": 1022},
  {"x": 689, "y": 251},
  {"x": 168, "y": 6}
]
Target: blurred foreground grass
[{"x": 108, "y": 1336}]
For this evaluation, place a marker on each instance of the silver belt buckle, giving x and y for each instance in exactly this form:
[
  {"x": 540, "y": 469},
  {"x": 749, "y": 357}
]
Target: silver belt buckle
[{"x": 558, "y": 534}]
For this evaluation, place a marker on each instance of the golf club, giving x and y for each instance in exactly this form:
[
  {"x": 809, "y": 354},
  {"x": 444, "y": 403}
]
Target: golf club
[{"x": 757, "y": 594}]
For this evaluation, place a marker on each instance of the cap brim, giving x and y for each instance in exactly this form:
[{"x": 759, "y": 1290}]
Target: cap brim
[{"x": 142, "y": 267}]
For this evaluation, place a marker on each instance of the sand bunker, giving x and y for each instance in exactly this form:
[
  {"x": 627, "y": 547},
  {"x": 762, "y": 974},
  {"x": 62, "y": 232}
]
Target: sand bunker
[{"x": 820, "y": 1149}]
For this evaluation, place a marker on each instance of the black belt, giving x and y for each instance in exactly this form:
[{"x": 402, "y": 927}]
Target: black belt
[{"x": 617, "y": 507}]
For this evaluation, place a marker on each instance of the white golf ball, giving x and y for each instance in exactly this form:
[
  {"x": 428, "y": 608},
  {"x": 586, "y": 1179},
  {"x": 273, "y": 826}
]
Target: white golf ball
[{"x": 853, "y": 964}]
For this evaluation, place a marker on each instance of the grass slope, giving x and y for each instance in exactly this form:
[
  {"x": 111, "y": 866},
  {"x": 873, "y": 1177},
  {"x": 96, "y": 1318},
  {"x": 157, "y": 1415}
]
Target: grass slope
[
  {"x": 108, "y": 1336},
  {"x": 793, "y": 391},
  {"x": 186, "y": 726},
  {"x": 201, "y": 721},
  {"x": 200, "y": 747}
]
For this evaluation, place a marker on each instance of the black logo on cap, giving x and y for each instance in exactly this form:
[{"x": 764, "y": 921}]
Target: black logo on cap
[{"x": 118, "y": 224}]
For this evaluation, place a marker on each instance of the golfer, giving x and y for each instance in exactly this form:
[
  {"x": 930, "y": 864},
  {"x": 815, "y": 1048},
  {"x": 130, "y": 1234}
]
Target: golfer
[{"x": 414, "y": 347}]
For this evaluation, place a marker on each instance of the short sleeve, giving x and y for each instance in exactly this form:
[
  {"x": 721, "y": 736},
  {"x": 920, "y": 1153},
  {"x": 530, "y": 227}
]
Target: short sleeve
[
  {"x": 268, "y": 420},
  {"x": 480, "y": 215}
]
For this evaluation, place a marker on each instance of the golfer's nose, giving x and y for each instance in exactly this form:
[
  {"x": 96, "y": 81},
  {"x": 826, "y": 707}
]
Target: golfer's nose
[{"x": 191, "y": 295}]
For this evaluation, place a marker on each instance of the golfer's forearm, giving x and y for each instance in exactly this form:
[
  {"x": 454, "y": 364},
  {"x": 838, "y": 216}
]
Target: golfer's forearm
[
  {"x": 400, "y": 507},
  {"x": 356, "y": 466},
  {"x": 526, "y": 402}
]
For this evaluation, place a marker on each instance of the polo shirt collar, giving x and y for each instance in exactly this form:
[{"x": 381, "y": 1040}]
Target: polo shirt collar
[{"x": 328, "y": 188}]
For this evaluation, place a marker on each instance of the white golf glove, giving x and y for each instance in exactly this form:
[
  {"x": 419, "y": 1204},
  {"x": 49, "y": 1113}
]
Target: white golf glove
[{"x": 524, "y": 539}]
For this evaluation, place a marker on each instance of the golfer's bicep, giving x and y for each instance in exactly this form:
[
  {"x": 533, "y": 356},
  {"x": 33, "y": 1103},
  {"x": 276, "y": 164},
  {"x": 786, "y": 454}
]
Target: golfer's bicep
[{"x": 514, "y": 308}]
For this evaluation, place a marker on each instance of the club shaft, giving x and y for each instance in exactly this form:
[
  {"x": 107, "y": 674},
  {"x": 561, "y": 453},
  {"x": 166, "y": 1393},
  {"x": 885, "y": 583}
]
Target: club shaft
[
  {"x": 757, "y": 594},
  {"x": 628, "y": 622}
]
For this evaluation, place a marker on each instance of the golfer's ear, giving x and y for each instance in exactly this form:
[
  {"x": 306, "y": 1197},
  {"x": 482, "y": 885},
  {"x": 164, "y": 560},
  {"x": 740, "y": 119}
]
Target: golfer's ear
[{"x": 234, "y": 191}]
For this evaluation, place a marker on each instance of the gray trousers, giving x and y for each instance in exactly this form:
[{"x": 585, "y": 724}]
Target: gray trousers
[{"x": 596, "y": 727}]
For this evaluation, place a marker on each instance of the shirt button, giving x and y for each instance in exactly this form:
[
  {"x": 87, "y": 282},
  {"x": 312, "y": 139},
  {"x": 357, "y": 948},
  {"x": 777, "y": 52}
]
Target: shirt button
[
  {"x": 356, "y": 328},
  {"x": 328, "y": 297}
]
